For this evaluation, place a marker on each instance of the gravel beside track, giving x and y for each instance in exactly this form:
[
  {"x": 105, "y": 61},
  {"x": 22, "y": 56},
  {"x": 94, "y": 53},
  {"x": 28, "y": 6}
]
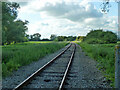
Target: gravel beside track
[
  {"x": 52, "y": 75},
  {"x": 25, "y": 71},
  {"x": 83, "y": 73}
]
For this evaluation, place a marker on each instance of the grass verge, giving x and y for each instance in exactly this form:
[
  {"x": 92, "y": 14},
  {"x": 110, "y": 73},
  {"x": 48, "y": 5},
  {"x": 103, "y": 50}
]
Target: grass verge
[
  {"x": 104, "y": 54},
  {"x": 15, "y": 56}
]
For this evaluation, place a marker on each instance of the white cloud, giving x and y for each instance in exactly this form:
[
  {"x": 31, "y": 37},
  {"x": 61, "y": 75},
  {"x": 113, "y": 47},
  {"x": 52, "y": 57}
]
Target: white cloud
[
  {"x": 66, "y": 17},
  {"x": 72, "y": 11}
]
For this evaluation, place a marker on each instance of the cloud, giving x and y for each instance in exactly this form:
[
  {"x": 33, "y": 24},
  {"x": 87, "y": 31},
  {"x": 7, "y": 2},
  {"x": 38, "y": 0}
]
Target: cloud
[
  {"x": 71, "y": 11},
  {"x": 66, "y": 17}
]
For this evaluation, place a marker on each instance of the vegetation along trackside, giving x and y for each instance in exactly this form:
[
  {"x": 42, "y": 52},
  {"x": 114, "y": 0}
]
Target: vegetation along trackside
[
  {"x": 104, "y": 54},
  {"x": 22, "y": 54},
  {"x": 100, "y": 45}
]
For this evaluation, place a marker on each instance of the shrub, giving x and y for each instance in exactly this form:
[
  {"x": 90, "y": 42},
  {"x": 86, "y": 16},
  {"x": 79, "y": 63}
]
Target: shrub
[{"x": 100, "y": 37}]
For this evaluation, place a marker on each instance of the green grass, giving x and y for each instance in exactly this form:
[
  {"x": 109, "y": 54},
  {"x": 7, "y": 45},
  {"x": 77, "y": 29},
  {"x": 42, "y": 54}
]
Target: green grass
[
  {"x": 104, "y": 54},
  {"x": 40, "y": 42},
  {"x": 15, "y": 56}
]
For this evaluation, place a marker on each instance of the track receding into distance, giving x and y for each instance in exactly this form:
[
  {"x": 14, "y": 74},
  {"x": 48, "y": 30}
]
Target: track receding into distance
[{"x": 53, "y": 74}]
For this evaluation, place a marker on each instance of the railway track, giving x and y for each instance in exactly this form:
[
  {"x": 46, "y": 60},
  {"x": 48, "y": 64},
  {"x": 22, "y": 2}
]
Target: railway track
[{"x": 53, "y": 74}]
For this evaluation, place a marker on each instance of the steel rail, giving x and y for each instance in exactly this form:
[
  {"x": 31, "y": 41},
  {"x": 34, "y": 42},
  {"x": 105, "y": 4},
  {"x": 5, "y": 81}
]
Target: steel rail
[
  {"x": 26, "y": 81},
  {"x": 67, "y": 69}
]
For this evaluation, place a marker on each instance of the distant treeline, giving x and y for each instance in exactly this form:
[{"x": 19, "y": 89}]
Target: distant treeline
[
  {"x": 54, "y": 37},
  {"x": 93, "y": 37}
]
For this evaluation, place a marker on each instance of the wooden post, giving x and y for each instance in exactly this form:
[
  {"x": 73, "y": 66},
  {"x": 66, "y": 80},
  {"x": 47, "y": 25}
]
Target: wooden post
[{"x": 117, "y": 67}]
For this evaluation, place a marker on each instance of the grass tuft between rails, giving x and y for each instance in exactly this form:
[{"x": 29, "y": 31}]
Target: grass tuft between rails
[
  {"x": 104, "y": 54},
  {"x": 15, "y": 56}
]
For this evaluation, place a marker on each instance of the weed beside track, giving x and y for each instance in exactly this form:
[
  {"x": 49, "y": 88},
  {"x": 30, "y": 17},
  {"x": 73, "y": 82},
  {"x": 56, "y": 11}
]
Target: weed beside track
[
  {"x": 15, "y": 56},
  {"x": 104, "y": 54}
]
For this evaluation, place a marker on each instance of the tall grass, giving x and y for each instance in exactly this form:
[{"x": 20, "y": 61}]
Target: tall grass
[
  {"x": 15, "y": 56},
  {"x": 104, "y": 54}
]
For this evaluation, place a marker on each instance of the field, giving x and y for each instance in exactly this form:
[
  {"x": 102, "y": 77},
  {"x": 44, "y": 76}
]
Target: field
[
  {"x": 104, "y": 54},
  {"x": 17, "y": 55}
]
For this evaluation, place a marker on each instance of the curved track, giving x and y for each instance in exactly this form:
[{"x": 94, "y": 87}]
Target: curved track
[{"x": 53, "y": 74}]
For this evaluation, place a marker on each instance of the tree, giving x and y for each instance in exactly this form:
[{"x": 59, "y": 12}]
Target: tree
[
  {"x": 8, "y": 16},
  {"x": 71, "y": 38},
  {"x": 31, "y": 37},
  {"x": 100, "y": 36},
  {"x": 80, "y": 38},
  {"x": 36, "y": 36},
  {"x": 13, "y": 30},
  {"x": 60, "y": 38},
  {"x": 65, "y": 38},
  {"x": 27, "y": 36},
  {"x": 52, "y": 37}
]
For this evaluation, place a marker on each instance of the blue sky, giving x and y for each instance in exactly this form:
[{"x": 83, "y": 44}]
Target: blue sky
[
  {"x": 113, "y": 9},
  {"x": 67, "y": 17}
]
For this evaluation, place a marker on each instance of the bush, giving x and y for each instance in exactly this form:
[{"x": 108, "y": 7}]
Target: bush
[{"x": 100, "y": 37}]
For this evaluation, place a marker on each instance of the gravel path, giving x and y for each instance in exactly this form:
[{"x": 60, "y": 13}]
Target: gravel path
[{"x": 83, "y": 73}]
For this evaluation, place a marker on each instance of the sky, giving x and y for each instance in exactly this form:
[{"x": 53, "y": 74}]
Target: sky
[{"x": 67, "y": 17}]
